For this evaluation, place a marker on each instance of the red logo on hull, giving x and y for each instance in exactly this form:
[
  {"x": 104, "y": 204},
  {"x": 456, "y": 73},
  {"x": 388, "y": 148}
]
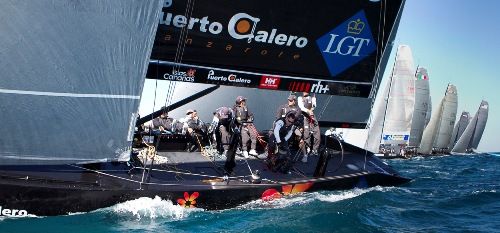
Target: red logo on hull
[{"x": 269, "y": 82}]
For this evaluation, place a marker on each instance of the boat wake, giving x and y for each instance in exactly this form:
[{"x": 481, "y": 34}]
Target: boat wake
[
  {"x": 152, "y": 208},
  {"x": 305, "y": 198}
]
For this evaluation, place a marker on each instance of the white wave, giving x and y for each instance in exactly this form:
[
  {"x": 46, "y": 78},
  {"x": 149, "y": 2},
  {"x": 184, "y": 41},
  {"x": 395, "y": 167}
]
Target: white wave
[
  {"x": 304, "y": 198},
  {"x": 484, "y": 191},
  {"x": 151, "y": 208}
]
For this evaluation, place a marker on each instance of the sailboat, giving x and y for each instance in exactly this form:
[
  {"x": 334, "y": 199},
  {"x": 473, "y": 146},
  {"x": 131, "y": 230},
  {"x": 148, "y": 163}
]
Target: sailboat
[
  {"x": 459, "y": 128},
  {"x": 393, "y": 118},
  {"x": 437, "y": 134},
  {"x": 73, "y": 74},
  {"x": 471, "y": 136}
]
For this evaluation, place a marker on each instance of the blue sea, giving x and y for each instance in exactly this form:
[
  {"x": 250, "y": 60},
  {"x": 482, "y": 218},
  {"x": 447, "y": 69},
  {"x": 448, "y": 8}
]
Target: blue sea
[{"x": 447, "y": 194}]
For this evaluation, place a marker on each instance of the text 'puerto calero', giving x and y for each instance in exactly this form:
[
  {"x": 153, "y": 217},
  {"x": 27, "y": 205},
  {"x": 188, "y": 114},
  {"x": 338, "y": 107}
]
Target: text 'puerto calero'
[{"x": 240, "y": 26}]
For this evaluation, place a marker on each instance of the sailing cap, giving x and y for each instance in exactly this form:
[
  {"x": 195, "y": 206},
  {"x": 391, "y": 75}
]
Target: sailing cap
[
  {"x": 292, "y": 97},
  {"x": 189, "y": 111}
]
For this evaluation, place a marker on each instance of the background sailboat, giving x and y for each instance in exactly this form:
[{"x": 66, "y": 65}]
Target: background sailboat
[
  {"x": 472, "y": 135},
  {"x": 420, "y": 112},
  {"x": 438, "y": 131},
  {"x": 397, "y": 115}
]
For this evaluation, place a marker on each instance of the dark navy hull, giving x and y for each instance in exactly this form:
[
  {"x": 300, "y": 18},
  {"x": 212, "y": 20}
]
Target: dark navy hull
[{"x": 63, "y": 189}]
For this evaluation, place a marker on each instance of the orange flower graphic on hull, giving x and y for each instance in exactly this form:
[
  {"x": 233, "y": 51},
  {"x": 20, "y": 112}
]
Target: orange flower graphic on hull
[
  {"x": 189, "y": 201},
  {"x": 272, "y": 194}
]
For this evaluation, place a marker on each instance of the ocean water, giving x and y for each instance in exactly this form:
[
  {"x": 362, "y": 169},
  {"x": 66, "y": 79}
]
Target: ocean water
[{"x": 447, "y": 194}]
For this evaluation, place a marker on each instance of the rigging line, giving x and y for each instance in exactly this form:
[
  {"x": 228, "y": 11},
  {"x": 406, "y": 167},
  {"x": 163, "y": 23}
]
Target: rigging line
[
  {"x": 329, "y": 99},
  {"x": 182, "y": 41},
  {"x": 377, "y": 81},
  {"x": 180, "y": 50}
]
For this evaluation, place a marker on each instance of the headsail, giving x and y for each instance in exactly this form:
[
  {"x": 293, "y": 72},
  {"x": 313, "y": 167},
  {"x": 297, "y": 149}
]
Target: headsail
[
  {"x": 459, "y": 128},
  {"x": 82, "y": 66},
  {"x": 429, "y": 111},
  {"x": 343, "y": 52},
  {"x": 430, "y": 131}
]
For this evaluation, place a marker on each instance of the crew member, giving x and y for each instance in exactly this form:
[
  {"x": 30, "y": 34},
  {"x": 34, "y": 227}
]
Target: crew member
[
  {"x": 163, "y": 123},
  {"x": 278, "y": 148},
  {"x": 223, "y": 118},
  {"x": 195, "y": 130},
  {"x": 307, "y": 104},
  {"x": 292, "y": 106},
  {"x": 244, "y": 118}
]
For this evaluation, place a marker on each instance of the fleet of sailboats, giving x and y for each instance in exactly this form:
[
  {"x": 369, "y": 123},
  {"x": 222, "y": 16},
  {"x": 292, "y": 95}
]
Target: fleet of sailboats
[{"x": 403, "y": 124}]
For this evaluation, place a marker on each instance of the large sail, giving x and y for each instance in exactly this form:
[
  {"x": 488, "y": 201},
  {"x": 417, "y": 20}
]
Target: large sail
[
  {"x": 459, "y": 128},
  {"x": 448, "y": 117},
  {"x": 343, "y": 52},
  {"x": 430, "y": 131},
  {"x": 401, "y": 100},
  {"x": 72, "y": 73},
  {"x": 474, "y": 131},
  {"x": 422, "y": 98}
]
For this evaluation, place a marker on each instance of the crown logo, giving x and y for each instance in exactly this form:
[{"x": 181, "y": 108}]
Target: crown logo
[{"x": 355, "y": 27}]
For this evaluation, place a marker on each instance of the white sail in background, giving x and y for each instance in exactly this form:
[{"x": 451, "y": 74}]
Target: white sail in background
[
  {"x": 448, "y": 117},
  {"x": 401, "y": 99},
  {"x": 392, "y": 112},
  {"x": 474, "y": 131},
  {"x": 430, "y": 131},
  {"x": 429, "y": 112},
  {"x": 421, "y": 107},
  {"x": 459, "y": 128}
]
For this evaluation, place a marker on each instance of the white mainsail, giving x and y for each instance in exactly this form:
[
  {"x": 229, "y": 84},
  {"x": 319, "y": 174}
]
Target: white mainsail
[
  {"x": 393, "y": 116},
  {"x": 421, "y": 107},
  {"x": 474, "y": 131},
  {"x": 459, "y": 128},
  {"x": 448, "y": 117}
]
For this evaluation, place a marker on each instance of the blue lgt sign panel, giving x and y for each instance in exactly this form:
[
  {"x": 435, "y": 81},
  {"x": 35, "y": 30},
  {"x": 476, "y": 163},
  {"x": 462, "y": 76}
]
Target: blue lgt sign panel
[{"x": 347, "y": 44}]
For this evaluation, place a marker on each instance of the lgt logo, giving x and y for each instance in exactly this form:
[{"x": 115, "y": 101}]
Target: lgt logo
[
  {"x": 269, "y": 82},
  {"x": 347, "y": 44},
  {"x": 320, "y": 88}
]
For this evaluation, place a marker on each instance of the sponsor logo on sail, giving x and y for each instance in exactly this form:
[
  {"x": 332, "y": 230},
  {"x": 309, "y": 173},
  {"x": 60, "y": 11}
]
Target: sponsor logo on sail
[
  {"x": 12, "y": 212},
  {"x": 396, "y": 137},
  {"x": 269, "y": 82},
  {"x": 187, "y": 76},
  {"x": 347, "y": 44},
  {"x": 232, "y": 78}
]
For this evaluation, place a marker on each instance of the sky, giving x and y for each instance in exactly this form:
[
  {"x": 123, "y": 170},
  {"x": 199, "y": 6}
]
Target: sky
[{"x": 458, "y": 42}]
